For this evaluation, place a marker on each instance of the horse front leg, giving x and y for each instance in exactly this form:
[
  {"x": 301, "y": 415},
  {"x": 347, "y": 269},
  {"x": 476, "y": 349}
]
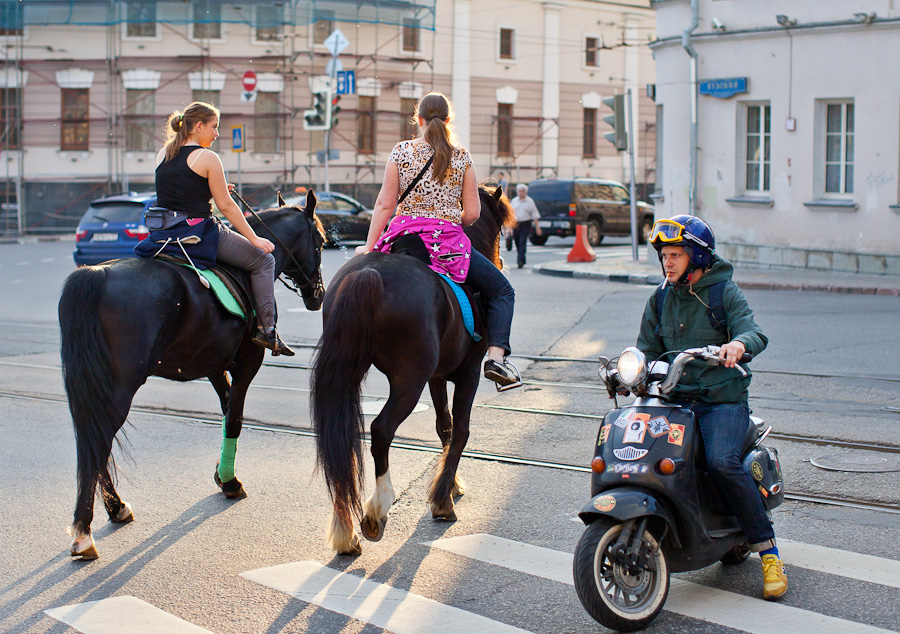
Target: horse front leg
[
  {"x": 222, "y": 386},
  {"x": 447, "y": 483},
  {"x": 247, "y": 364},
  {"x": 443, "y": 422},
  {"x": 400, "y": 404}
]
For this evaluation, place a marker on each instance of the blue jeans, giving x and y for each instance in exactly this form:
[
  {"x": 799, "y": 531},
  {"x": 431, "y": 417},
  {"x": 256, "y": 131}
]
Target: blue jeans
[
  {"x": 521, "y": 234},
  {"x": 499, "y": 298},
  {"x": 723, "y": 427}
]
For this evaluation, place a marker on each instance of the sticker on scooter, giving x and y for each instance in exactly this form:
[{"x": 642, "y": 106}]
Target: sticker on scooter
[
  {"x": 676, "y": 435},
  {"x": 630, "y": 467},
  {"x": 605, "y": 503},
  {"x": 630, "y": 415},
  {"x": 604, "y": 434},
  {"x": 635, "y": 431},
  {"x": 630, "y": 453},
  {"x": 757, "y": 471},
  {"x": 658, "y": 426}
]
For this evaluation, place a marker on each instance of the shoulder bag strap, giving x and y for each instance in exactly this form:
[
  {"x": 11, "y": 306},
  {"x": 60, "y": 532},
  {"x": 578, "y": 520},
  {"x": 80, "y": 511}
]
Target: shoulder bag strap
[{"x": 416, "y": 180}]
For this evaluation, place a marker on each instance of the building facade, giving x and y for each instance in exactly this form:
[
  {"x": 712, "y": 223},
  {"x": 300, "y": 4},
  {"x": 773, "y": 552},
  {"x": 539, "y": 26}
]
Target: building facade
[
  {"x": 86, "y": 88},
  {"x": 779, "y": 126}
]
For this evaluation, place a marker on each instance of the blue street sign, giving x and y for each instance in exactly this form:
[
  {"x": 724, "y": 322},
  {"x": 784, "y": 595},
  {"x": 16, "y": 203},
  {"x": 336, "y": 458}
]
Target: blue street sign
[
  {"x": 346, "y": 82},
  {"x": 237, "y": 138},
  {"x": 723, "y": 88}
]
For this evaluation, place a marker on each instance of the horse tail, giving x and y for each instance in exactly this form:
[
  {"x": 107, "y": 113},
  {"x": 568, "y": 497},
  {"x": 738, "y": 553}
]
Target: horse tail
[
  {"x": 346, "y": 351},
  {"x": 87, "y": 372}
]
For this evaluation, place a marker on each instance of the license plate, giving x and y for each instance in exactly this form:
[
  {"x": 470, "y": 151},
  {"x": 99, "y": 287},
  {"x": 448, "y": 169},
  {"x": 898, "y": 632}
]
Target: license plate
[
  {"x": 545, "y": 223},
  {"x": 105, "y": 237}
]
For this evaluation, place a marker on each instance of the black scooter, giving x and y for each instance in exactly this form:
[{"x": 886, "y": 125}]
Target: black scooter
[{"x": 654, "y": 509}]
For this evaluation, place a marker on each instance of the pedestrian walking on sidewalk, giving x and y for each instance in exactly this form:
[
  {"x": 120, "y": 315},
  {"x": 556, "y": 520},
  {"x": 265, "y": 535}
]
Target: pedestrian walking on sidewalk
[{"x": 527, "y": 217}]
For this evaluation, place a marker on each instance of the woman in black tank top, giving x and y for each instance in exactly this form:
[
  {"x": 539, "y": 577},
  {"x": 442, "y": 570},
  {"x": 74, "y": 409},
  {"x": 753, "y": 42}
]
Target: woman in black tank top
[{"x": 188, "y": 175}]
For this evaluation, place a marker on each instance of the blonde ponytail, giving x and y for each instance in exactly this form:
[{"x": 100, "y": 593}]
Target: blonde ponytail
[{"x": 437, "y": 112}]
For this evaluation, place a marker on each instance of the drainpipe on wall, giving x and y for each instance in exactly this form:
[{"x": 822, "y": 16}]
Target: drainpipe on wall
[{"x": 686, "y": 43}]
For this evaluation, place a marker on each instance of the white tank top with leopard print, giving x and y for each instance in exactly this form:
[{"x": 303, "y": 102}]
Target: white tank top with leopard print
[{"x": 430, "y": 199}]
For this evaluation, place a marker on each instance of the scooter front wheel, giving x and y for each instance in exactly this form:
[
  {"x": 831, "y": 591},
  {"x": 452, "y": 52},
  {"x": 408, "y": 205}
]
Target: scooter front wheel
[{"x": 608, "y": 591}]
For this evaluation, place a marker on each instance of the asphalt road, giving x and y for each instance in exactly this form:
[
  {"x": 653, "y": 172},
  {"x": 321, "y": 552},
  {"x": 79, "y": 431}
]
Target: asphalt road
[{"x": 202, "y": 560}]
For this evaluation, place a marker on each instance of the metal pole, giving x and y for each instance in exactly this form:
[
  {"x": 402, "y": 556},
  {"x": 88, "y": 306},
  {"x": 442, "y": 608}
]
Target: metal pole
[
  {"x": 631, "y": 143},
  {"x": 240, "y": 180},
  {"x": 327, "y": 150}
]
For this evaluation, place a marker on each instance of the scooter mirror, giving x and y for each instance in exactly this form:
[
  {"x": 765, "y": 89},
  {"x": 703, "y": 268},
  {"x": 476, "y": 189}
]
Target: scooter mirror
[{"x": 604, "y": 362}]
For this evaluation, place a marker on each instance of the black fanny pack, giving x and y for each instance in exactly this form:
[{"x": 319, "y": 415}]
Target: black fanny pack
[{"x": 156, "y": 218}]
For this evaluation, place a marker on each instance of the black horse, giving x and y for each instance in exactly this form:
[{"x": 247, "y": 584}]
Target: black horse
[
  {"x": 394, "y": 312},
  {"x": 129, "y": 319}
]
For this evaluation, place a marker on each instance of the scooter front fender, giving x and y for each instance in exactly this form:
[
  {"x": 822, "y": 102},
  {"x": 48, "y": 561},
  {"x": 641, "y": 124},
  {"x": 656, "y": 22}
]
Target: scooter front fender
[{"x": 624, "y": 504}]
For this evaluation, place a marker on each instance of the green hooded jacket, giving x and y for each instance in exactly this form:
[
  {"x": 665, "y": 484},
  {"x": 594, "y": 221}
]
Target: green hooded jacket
[{"x": 684, "y": 324}]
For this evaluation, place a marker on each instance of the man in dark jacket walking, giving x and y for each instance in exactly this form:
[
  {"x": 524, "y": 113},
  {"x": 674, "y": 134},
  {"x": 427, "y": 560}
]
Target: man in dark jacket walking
[{"x": 716, "y": 394}]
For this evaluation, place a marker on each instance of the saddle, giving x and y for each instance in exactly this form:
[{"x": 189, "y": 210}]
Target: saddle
[
  {"x": 229, "y": 284},
  {"x": 469, "y": 302}
]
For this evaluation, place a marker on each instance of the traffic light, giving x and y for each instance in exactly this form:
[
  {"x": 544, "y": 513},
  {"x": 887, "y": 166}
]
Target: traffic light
[
  {"x": 335, "y": 109},
  {"x": 319, "y": 116},
  {"x": 618, "y": 137}
]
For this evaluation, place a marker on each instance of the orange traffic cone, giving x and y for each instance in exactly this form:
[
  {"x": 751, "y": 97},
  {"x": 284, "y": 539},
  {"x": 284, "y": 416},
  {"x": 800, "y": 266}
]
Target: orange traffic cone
[{"x": 581, "y": 250}]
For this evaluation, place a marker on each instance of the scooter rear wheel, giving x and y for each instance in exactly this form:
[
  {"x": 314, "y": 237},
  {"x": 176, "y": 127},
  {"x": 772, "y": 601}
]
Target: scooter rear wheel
[{"x": 612, "y": 596}]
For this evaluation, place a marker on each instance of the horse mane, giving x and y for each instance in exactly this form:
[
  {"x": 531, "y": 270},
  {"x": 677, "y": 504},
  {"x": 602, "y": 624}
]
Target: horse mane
[
  {"x": 276, "y": 214},
  {"x": 485, "y": 232}
]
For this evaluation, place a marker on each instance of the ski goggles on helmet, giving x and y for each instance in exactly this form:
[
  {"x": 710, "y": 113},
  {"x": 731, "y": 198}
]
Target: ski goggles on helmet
[{"x": 670, "y": 231}]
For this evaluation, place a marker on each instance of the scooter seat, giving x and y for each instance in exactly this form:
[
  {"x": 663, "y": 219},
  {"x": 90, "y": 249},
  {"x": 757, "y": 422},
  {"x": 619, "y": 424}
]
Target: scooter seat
[{"x": 752, "y": 434}]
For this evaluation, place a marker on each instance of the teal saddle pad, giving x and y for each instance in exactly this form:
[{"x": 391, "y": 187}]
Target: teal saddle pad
[{"x": 465, "y": 307}]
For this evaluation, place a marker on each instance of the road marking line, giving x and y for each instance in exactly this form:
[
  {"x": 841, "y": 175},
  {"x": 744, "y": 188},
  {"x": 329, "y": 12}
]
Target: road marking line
[
  {"x": 843, "y": 563},
  {"x": 122, "y": 614},
  {"x": 689, "y": 599},
  {"x": 381, "y": 605}
]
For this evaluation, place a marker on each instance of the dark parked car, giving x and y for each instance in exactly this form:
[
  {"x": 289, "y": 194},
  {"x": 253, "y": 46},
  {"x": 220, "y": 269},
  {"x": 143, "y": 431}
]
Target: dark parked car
[
  {"x": 111, "y": 227},
  {"x": 344, "y": 218},
  {"x": 603, "y": 205}
]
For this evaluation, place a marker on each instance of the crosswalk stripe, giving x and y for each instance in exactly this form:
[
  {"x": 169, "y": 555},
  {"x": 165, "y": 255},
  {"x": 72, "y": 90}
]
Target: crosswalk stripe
[
  {"x": 381, "y": 605},
  {"x": 122, "y": 614},
  {"x": 689, "y": 599},
  {"x": 885, "y": 572}
]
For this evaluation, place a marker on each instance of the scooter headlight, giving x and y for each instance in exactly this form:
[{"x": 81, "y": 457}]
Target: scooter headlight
[{"x": 632, "y": 367}]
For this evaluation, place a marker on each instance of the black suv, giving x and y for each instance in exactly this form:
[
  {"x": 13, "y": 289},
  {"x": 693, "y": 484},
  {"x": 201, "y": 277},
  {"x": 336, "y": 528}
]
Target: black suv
[{"x": 603, "y": 205}]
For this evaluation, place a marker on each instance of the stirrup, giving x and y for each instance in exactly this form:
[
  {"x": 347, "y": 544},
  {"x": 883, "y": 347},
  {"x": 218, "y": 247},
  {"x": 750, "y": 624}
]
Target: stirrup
[{"x": 509, "y": 379}]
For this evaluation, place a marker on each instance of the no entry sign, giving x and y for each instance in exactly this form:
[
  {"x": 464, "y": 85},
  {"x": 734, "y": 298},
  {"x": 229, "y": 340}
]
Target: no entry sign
[{"x": 249, "y": 81}]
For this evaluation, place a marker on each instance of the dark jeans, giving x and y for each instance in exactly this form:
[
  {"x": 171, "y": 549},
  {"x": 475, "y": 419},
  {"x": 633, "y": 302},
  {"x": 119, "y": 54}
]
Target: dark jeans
[
  {"x": 499, "y": 298},
  {"x": 520, "y": 235},
  {"x": 724, "y": 427},
  {"x": 236, "y": 250}
]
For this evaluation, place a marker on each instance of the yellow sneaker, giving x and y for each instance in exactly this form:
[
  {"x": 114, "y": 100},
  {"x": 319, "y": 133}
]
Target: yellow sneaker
[{"x": 774, "y": 579}]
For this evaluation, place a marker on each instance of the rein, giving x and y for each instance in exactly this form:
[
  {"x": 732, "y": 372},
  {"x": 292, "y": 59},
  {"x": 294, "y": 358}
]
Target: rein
[{"x": 307, "y": 281}]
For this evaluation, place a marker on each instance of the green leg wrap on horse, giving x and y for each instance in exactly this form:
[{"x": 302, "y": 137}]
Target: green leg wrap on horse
[{"x": 226, "y": 462}]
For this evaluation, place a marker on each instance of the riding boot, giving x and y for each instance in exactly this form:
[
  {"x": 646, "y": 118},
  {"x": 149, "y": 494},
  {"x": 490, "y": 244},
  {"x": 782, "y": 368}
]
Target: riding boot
[{"x": 268, "y": 338}]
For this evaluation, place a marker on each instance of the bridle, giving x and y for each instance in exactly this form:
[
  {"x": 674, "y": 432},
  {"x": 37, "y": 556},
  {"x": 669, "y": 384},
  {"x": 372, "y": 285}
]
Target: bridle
[{"x": 305, "y": 283}]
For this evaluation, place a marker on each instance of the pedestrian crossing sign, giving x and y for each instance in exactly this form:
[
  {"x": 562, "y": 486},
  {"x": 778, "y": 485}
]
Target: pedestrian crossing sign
[{"x": 237, "y": 138}]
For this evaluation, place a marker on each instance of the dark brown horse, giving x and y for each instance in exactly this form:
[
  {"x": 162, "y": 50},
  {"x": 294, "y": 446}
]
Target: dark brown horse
[
  {"x": 396, "y": 313},
  {"x": 124, "y": 321}
]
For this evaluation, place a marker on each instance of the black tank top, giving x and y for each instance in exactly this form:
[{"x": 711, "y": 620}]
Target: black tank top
[{"x": 179, "y": 188}]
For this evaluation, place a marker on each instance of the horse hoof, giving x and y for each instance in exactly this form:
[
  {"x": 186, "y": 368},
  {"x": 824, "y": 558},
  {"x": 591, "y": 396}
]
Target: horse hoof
[
  {"x": 446, "y": 517},
  {"x": 84, "y": 549},
  {"x": 354, "y": 549},
  {"x": 124, "y": 516},
  {"x": 233, "y": 489},
  {"x": 373, "y": 529}
]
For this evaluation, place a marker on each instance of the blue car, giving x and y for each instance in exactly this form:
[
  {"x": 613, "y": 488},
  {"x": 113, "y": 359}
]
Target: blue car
[{"x": 111, "y": 227}]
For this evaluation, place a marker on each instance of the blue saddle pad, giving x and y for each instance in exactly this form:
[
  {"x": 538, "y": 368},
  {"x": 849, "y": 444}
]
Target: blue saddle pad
[{"x": 465, "y": 307}]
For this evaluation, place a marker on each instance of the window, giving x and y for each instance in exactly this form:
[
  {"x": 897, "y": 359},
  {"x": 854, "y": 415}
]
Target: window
[
  {"x": 591, "y": 52},
  {"x": 75, "y": 132},
  {"x": 365, "y": 125},
  {"x": 10, "y": 119},
  {"x": 410, "y": 35},
  {"x": 141, "y": 17},
  {"x": 11, "y": 21},
  {"x": 323, "y": 26},
  {"x": 507, "y": 44},
  {"x": 839, "y": 148},
  {"x": 758, "y": 156},
  {"x": 266, "y": 128},
  {"x": 504, "y": 129},
  {"x": 140, "y": 122},
  {"x": 206, "y": 96},
  {"x": 268, "y": 23},
  {"x": 207, "y": 21},
  {"x": 589, "y": 144},
  {"x": 408, "y": 128}
]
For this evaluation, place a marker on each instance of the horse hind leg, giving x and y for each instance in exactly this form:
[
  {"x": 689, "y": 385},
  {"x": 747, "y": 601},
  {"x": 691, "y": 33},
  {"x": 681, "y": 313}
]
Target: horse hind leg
[
  {"x": 443, "y": 420},
  {"x": 119, "y": 511},
  {"x": 447, "y": 483}
]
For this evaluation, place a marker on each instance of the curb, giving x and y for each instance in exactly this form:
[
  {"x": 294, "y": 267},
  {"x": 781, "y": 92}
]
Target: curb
[
  {"x": 746, "y": 285},
  {"x": 63, "y": 237}
]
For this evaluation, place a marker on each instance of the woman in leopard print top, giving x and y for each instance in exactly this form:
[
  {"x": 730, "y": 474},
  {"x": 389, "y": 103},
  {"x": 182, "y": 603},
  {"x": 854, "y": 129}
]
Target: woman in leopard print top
[{"x": 437, "y": 208}]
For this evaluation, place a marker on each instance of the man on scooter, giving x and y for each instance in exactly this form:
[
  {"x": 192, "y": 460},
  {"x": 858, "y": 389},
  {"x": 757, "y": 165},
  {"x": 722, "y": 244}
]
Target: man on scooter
[{"x": 699, "y": 295}]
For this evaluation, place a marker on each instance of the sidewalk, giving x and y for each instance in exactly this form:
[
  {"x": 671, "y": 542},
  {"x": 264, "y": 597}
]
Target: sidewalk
[{"x": 624, "y": 269}]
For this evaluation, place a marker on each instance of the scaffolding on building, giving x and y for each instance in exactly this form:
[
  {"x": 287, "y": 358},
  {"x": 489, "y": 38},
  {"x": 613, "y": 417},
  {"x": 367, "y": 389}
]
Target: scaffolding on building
[{"x": 36, "y": 205}]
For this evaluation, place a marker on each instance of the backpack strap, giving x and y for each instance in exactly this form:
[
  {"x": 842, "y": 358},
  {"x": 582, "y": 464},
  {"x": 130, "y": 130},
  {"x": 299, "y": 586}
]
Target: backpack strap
[
  {"x": 716, "y": 313},
  {"x": 661, "y": 292}
]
